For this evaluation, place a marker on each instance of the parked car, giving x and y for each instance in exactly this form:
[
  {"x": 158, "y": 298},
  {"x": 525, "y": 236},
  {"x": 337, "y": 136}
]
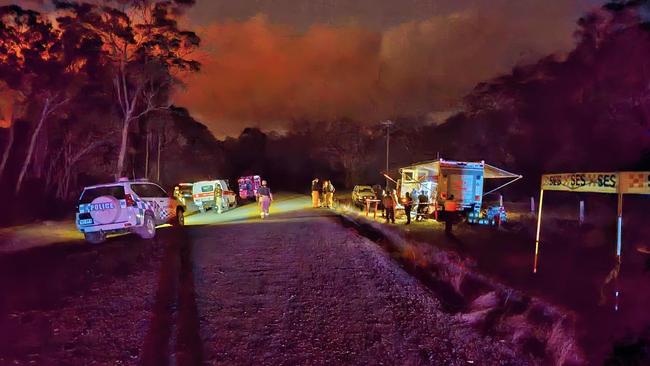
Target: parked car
[
  {"x": 361, "y": 193},
  {"x": 126, "y": 206},
  {"x": 204, "y": 194}
]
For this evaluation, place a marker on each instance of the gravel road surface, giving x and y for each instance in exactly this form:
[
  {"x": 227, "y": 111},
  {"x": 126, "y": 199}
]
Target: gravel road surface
[{"x": 296, "y": 288}]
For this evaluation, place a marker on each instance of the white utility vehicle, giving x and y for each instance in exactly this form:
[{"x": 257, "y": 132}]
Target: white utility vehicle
[
  {"x": 205, "y": 192},
  {"x": 126, "y": 206},
  {"x": 361, "y": 193}
]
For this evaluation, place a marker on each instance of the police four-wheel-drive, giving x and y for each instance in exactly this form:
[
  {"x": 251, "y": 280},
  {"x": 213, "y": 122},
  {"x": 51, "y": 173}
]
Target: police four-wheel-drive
[{"x": 126, "y": 206}]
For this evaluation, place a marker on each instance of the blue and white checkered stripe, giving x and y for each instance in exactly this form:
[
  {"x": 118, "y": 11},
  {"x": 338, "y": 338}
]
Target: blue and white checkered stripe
[
  {"x": 141, "y": 207},
  {"x": 164, "y": 213},
  {"x": 159, "y": 212}
]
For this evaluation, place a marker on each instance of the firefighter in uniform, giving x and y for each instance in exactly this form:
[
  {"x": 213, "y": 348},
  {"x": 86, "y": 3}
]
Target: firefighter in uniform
[
  {"x": 315, "y": 193},
  {"x": 218, "y": 199},
  {"x": 328, "y": 189},
  {"x": 264, "y": 198}
]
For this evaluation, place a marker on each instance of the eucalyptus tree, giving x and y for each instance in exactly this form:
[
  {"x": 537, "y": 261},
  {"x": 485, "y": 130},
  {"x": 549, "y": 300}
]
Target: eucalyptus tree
[{"x": 144, "y": 48}]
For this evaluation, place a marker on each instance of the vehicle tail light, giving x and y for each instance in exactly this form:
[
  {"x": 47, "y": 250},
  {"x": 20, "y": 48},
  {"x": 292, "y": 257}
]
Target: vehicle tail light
[
  {"x": 476, "y": 198},
  {"x": 129, "y": 200}
]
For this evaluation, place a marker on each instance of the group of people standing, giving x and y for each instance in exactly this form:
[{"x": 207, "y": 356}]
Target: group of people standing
[
  {"x": 389, "y": 200},
  {"x": 322, "y": 193}
]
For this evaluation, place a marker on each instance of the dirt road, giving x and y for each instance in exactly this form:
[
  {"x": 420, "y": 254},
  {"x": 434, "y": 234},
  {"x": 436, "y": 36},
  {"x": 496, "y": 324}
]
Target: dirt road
[{"x": 297, "y": 288}]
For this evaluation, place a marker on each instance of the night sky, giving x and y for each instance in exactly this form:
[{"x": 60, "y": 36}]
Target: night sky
[{"x": 267, "y": 63}]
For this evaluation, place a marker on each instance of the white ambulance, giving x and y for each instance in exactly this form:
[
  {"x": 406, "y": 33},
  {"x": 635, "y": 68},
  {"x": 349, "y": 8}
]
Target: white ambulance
[{"x": 204, "y": 196}]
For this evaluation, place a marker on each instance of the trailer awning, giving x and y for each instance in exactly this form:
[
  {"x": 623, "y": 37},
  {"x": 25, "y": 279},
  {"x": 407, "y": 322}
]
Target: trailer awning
[{"x": 492, "y": 172}]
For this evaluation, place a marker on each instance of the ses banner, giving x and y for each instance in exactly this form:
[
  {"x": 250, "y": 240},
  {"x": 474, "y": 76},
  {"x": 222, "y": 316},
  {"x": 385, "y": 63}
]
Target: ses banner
[
  {"x": 581, "y": 182},
  {"x": 617, "y": 182}
]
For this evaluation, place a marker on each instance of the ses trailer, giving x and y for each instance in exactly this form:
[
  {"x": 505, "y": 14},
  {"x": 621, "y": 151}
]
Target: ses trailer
[{"x": 441, "y": 179}]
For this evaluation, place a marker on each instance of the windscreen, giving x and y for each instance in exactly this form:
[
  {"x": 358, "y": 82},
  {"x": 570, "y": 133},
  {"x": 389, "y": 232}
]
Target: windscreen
[
  {"x": 209, "y": 188},
  {"x": 90, "y": 194}
]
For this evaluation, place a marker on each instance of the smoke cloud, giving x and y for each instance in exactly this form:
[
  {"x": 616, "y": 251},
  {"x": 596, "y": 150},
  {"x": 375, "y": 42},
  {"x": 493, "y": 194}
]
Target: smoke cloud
[{"x": 259, "y": 73}]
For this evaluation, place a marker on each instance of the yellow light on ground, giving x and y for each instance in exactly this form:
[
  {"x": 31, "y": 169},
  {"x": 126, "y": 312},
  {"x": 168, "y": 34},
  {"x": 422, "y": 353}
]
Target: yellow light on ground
[
  {"x": 36, "y": 235},
  {"x": 250, "y": 214}
]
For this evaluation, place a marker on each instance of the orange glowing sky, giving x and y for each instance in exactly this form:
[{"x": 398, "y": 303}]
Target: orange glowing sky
[{"x": 268, "y": 62}]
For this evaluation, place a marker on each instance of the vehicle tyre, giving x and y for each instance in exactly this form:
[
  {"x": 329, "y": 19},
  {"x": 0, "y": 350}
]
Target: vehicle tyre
[
  {"x": 148, "y": 229},
  {"x": 95, "y": 238},
  {"x": 180, "y": 217},
  {"x": 233, "y": 205}
]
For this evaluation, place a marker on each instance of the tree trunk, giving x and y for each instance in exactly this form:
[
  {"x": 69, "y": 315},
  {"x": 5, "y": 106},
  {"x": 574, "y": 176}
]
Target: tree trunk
[
  {"x": 146, "y": 162},
  {"x": 158, "y": 169},
  {"x": 10, "y": 144},
  {"x": 32, "y": 144},
  {"x": 124, "y": 140},
  {"x": 49, "y": 177},
  {"x": 40, "y": 153},
  {"x": 62, "y": 190}
]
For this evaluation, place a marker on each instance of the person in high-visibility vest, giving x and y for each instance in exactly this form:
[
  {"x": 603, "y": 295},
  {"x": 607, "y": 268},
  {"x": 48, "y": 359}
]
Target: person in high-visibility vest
[
  {"x": 328, "y": 189},
  {"x": 451, "y": 210},
  {"x": 315, "y": 193},
  {"x": 218, "y": 198},
  {"x": 390, "y": 201}
]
